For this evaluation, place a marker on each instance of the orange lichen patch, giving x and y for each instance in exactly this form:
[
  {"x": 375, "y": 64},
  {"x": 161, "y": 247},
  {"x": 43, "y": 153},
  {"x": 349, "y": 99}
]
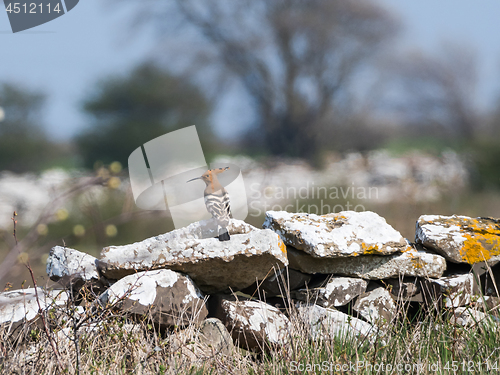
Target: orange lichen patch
[
  {"x": 408, "y": 248},
  {"x": 370, "y": 249},
  {"x": 480, "y": 247},
  {"x": 417, "y": 263},
  {"x": 282, "y": 245},
  {"x": 483, "y": 243}
]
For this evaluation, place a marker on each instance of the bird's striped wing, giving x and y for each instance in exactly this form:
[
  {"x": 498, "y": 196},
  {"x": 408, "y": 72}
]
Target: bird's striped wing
[{"x": 218, "y": 206}]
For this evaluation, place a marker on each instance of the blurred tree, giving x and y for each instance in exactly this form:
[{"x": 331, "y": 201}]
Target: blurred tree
[
  {"x": 485, "y": 155},
  {"x": 437, "y": 92},
  {"x": 485, "y": 152},
  {"x": 295, "y": 59},
  {"x": 23, "y": 144},
  {"x": 130, "y": 111}
]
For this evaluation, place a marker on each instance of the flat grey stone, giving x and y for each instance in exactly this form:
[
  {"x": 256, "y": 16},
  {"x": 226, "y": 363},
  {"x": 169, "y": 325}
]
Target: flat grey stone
[
  {"x": 255, "y": 325},
  {"x": 377, "y": 307},
  {"x": 467, "y": 317},
  {"x": 213, "y": 265},
  {"x": 216, "y": 339},
  {"x": 460, "y": 239},
  {"x": 371, "y": 267},
  {"x": 171, "y": 299},
  {"x": 486, "y": 303},
  {"x": 345, "y": 234},
  {"x": 20, "y": 306},
  {"x": 328, "y": 323},
  {"x": 196, "y": 346},
  {"x": 72, "y": 268},
  {"x": 452, "y": 291},
  {"x": 338, "y": 291}
]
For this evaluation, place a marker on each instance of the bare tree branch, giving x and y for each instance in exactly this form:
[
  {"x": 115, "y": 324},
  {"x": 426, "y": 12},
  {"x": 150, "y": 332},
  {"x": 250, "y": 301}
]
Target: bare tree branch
[{"x": 296, "y": 60}]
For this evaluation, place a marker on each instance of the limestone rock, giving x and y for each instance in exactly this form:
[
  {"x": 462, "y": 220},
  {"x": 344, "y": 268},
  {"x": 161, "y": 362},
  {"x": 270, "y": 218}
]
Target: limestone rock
[
  {"x": 467, "y": 317},
  {"x": 372, "y": 267},
  {"x": 214, "y": 265},
  {"x": 329, "y": 323},
  {"x": 345, "y": 234},
  {"x": 211, "y": 340},
  {"x": 215, "y": 337},
  {"x": 338, "y": 291},
  {"x": 377, "y": 307},
  {"x": 20, "y": 306},
  {"x": 255, "y": 324},
  {"x": 172, "y": 299},
  {"x": 452, "y": 291},
  {"x": 460, "y": 239},
  {"x": 73, "y": 268}
]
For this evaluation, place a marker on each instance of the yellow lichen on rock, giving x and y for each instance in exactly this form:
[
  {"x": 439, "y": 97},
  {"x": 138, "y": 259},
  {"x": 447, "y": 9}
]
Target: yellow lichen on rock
[
  {"x": 461, "y": 239},
  {"x": 416, "y": 262},
  {"x": 408, "y": 248},
  {"x": 483, "y": 244},
  {"x": 370, "y": 249},
  {"x": 282, "y": 245}
]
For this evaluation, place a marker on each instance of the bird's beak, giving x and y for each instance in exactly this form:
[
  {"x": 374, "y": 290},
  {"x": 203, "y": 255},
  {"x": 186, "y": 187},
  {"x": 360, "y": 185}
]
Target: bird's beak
[{"x": 197, "y": 178}]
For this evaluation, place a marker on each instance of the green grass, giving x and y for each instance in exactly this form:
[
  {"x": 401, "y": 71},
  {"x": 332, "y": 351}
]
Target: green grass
[{"x": 429, "y": 144}]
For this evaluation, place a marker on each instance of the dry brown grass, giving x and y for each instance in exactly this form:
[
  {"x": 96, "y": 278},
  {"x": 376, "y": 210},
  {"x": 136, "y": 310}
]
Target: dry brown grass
[{"x": 108, "y": 341}]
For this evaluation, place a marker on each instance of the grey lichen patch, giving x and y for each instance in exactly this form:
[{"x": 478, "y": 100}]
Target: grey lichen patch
[{"x": 338, "y": 291}]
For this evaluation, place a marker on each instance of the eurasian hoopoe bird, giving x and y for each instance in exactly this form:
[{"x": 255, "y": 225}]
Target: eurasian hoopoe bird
[{"x": 217, "y": 201}]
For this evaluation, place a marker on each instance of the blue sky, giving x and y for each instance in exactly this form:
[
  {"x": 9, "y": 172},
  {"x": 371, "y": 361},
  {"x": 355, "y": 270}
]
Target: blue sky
[
  {"x": 67, "y": 56},
  {"x": 474, "y": 24}
]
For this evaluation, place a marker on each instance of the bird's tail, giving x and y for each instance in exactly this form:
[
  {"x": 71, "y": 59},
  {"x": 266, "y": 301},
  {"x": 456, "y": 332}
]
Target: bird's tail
[{"x": 224, "y": 236}]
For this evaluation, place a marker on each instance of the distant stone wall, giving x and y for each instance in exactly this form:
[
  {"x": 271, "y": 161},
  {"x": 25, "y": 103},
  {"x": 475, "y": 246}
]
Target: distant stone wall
[{"x": 377, "y": 176}]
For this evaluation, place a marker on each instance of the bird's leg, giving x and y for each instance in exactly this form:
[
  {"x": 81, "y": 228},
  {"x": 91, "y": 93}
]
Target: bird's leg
[{"x": 224, "y": 236}]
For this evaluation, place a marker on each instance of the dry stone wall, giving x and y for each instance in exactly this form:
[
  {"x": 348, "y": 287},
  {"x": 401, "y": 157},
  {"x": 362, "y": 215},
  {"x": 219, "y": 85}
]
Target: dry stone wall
[{"x": 346, "y": 273}]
